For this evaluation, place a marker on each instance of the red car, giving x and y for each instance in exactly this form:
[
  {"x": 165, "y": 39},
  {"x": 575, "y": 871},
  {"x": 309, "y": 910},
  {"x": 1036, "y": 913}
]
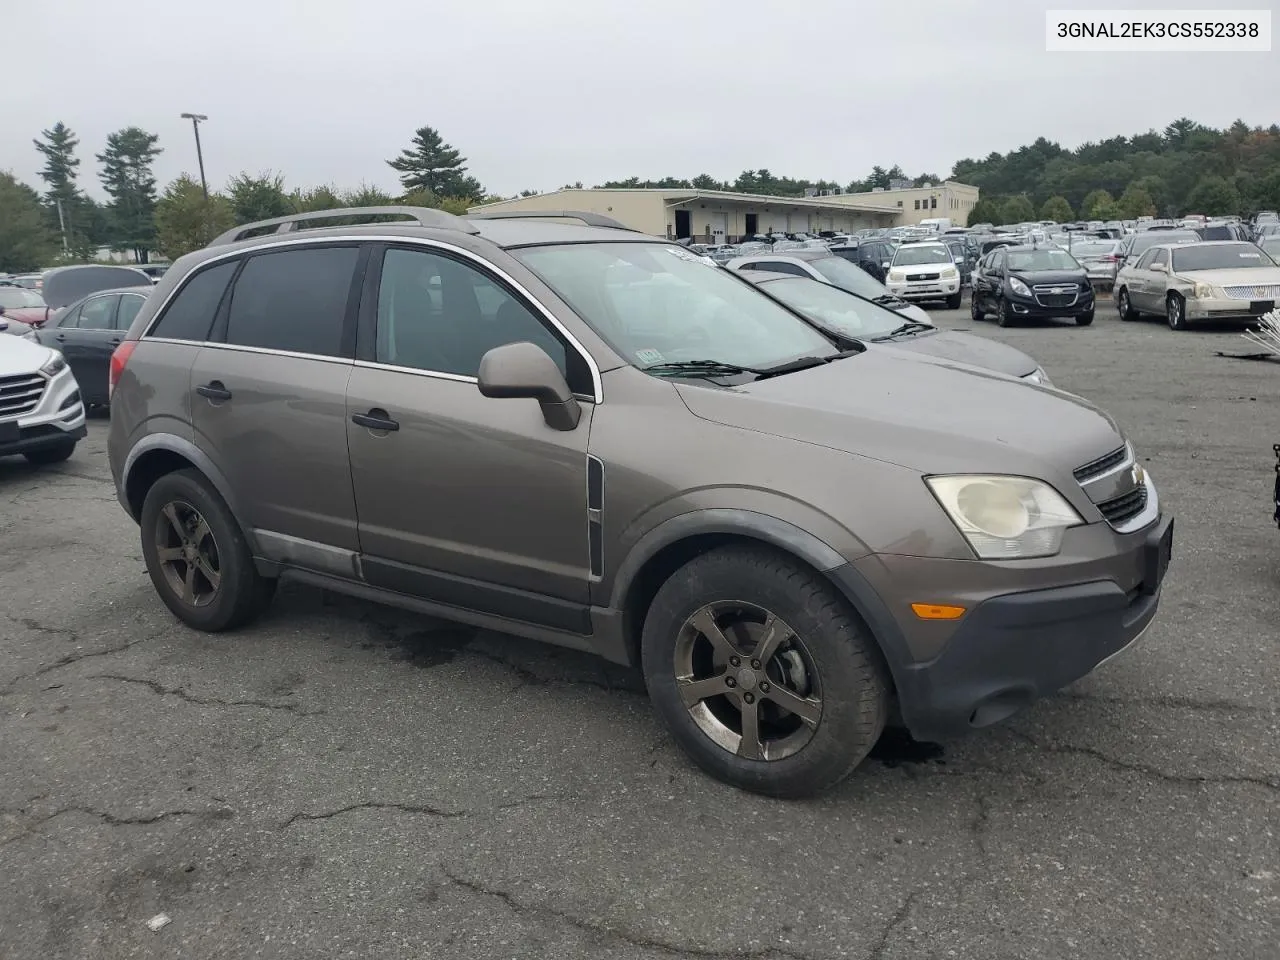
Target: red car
[{"x": 23, "y": 305}]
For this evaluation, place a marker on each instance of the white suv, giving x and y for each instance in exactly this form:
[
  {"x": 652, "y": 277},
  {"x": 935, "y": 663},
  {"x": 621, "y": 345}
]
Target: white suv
[
  {"x": 924, "y": 271},
  {"x": 41, "y": 413}
]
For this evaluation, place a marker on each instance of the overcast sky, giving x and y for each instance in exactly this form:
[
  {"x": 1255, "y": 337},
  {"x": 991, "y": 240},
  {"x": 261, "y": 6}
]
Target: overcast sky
[{"x": 538, "y": 93}]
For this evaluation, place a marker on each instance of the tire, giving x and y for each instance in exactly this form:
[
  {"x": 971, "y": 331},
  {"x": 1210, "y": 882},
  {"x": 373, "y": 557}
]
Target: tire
[
  {"x": 1004, "y": 315},
  {"x": 1084, "y": 319},
  {"x": 177, "y": 500},
  {"x": 975, "y": 311},
  {"x": 1125, "y": 306},
  {"x": 825, "y": 645},
  {"x": 954, "y": 301},
  {"x": 55, "y": 454},
  {"x": 1175, "y": 311}
]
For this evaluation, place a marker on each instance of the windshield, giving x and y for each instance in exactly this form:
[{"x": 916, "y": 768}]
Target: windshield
[
  {"x": 1271, "y": 245},
  {"x": 846, "y": 276},
  {"x": 19, "y": 297},
  {"x": 1220, "y": 256},
  {"x": 658, "y": 304},
  {"x": 833, "y": 308},
  {"x": 914, "y": 255},
  {"x": 1046, "y": 259}
]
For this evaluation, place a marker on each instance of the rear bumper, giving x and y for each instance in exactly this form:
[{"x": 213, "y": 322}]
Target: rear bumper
[{"x": 1010, "y": 648}]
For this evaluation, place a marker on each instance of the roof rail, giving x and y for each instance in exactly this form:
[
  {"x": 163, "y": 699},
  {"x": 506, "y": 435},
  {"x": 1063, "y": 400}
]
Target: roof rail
[
  {"x": 590, "y": 219},
  {"x": 424, "y": 216}
]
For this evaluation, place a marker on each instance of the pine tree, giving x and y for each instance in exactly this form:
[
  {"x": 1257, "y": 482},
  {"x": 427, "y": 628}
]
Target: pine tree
[
  {"x": 431, "y": 164},
  {"x": 126, "y": 176}
]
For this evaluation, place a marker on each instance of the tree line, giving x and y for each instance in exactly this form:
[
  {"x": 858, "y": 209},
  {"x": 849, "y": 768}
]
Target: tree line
[
  {"x": 1186, "y": 168},
  {"x": 65, "y": 225}
]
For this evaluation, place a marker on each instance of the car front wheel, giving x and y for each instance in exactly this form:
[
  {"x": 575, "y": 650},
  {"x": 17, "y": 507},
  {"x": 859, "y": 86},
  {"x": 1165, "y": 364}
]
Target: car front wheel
[
  {"x": 975, "y": 311},
  {"x": 1125, "y": 306},
  {"x": 764, "y": 675},
  {"x": 1084, "y": 319},
  {"x": 43, "y": 456},
  {"x": 1004, "y": 314},
  {"x": 1176, "y": 312}
]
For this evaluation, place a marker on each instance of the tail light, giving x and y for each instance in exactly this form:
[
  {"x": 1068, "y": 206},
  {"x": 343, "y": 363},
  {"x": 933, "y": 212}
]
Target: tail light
[{"x": 119, "y": 359}]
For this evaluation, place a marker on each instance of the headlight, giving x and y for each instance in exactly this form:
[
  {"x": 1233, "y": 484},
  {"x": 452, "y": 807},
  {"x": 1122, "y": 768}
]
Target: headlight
[
  {"x": 1039, "y": 376},
  {"x": 54, "y": 366},
  {"x": 1005, "y": 518},
  {"x": 1202, "y": 291},
  {"x": 949, "y": 273},
  {"x": 1018, "y": 287},
  {"x": 897, "y": 276}
]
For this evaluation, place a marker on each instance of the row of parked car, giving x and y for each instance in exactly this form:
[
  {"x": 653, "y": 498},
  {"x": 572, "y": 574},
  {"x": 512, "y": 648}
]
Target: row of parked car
[{"x": 556, "y": 427}]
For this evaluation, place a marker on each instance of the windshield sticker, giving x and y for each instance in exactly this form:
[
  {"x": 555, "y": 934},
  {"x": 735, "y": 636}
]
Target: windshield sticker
[
  {"x": 648, "y": 357},
  {"x": 684, "y": 254}
]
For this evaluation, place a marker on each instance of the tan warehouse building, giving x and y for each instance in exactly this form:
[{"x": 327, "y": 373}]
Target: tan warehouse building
[{"x": 716, "y": 216}]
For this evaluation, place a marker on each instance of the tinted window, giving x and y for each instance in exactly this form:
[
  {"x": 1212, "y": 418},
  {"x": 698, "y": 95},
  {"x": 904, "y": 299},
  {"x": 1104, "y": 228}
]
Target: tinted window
[
  {"x": 130, "y": 304},
  {"x": 293, "y": 300},
  {"x": 190, "y": 314},
  {"x": 780, "y": 266},
  {"x": 1042, "y": 259},
  {"x": 436, "y": 313},
  {"x": 96, "y": 314},
  {"x": 68, "y": 319}
]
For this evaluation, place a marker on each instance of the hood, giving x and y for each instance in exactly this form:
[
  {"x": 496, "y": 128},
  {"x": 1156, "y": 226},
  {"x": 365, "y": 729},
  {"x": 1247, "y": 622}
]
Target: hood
[
  {"x": 910, "y": 311},
  {"x": 66, "y": 285},
  {"x": 1032, "y": 277},
  {"x": 1244, "y": 276},
  {"x": 14, "y": 327},
  {"x": 968, "y": 349},
  {"x": 18, "y": 356},
  {"x": 928, "y": 416}
]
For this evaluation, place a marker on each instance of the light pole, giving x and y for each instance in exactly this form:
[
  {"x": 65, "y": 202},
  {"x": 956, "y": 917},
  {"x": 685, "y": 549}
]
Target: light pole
[{"x": 195, "y": 119}]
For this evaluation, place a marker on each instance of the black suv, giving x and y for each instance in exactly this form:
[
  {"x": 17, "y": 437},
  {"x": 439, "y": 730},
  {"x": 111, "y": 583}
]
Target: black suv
[
  {"x": 873, "y": 255},
  {"x": 1030, "y": 281}
]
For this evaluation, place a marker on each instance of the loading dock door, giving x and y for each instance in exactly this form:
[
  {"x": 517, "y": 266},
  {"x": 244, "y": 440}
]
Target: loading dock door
[
  {"x": 718, "y": 226},
  {"x": 683, "y": 229}
]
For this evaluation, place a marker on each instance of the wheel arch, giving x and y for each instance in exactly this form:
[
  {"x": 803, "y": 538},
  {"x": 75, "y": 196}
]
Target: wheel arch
[
  {"x": 159, "y": 454},
  {"x": 673, "y": 543}
]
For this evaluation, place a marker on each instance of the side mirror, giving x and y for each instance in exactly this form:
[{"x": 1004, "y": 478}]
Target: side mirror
[
  {"x": 885, "y": 265},
  {"x": 517, "y": 370},
  {"x": 1159, "y": 268}
]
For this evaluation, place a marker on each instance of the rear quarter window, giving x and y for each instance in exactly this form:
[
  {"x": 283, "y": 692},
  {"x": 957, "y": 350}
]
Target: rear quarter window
[{"x": 189, "y": 315}]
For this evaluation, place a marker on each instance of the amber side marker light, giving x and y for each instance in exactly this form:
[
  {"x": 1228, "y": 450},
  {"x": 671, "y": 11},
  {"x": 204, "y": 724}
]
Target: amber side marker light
[{"x": 937, "y": 611}]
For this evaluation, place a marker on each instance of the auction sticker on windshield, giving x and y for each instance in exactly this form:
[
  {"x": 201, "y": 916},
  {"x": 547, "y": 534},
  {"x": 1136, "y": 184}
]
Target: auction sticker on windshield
[{"x": 648, "y": 356}]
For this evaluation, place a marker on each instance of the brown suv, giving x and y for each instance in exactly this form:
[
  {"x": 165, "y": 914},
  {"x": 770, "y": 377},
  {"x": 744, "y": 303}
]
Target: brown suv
[{"x": 580, "y": 434}]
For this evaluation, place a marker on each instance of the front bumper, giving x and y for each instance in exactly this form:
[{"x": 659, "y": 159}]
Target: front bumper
[
  {"x": 58, "y": 416},
  {"x": 1031, "y": 627},
  {"x": 1032, "y": 307},
  {"x": 1224, "y": 308},
  {"x": 925, "y": 289}
]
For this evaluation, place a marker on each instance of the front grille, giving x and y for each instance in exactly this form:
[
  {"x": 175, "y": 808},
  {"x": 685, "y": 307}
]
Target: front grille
[
  {"x": 1094, "y": 468},
  {"x": 1056, "y": 294},
  {"x": 924, "y": 276},
  {"x": 1124, "y": 507},
  {"x": 1257, "y": 291},
  {"x": 20, "y": 394}
]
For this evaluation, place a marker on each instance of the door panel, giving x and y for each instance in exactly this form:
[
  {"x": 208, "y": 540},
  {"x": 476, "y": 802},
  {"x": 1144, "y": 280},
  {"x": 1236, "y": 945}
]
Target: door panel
[
  {"x": 469, "y": 486},
  {"x": 280, "y": 439},
  {"x": 82, "y": 344}
]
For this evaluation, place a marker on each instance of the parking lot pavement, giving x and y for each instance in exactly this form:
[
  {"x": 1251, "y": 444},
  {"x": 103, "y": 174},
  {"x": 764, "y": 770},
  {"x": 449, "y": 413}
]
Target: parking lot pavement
[{"x": 347, "y": 780}]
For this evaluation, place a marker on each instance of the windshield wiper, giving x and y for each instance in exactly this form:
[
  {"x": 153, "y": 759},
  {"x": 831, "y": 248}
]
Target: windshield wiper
[
  {"x": 911, "y": 326},
  {"x": 887, "y": 298},
  {"x": 707, "y": 368}
]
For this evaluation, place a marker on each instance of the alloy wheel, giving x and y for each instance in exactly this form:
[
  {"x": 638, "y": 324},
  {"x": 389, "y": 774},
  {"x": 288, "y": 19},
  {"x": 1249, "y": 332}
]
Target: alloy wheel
[
  {"x": 747, "y": 680},
  {"x": 188, "y": 553}
]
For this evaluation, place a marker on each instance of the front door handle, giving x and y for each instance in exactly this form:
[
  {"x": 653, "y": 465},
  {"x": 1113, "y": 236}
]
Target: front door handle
[
  {"x": 214, "y": 390},
  {"x": 375, "y": 419},
  {"x": 62, "y": 337}
]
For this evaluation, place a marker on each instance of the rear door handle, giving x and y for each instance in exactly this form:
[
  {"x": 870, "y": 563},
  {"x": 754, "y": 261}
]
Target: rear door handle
[
  {"x": 214, "y": 390},
  {"x": 375, "y": 419}
]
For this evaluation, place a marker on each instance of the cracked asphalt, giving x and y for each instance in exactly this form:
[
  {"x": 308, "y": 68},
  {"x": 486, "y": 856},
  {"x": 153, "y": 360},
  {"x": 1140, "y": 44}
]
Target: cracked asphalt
[{"x": 344, "y": 780}]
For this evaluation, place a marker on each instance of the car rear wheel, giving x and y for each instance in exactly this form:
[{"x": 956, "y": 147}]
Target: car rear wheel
[
  {"x": 1125, "y": 306},
  {"x": 54, "y": 454},
  {"x": 763, "y": 674},
  {"x": 1176, "y": 312},
  {"x": 197, "y": 556}
]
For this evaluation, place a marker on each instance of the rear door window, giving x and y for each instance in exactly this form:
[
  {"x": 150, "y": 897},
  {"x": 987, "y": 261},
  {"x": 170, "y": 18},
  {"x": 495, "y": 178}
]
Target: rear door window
[
  {"x": 97, "y": 314},
  {"x": 130, "y": 304},
  {"x": 189, "y": 316},
  {"x": 294, "y": 301}
]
